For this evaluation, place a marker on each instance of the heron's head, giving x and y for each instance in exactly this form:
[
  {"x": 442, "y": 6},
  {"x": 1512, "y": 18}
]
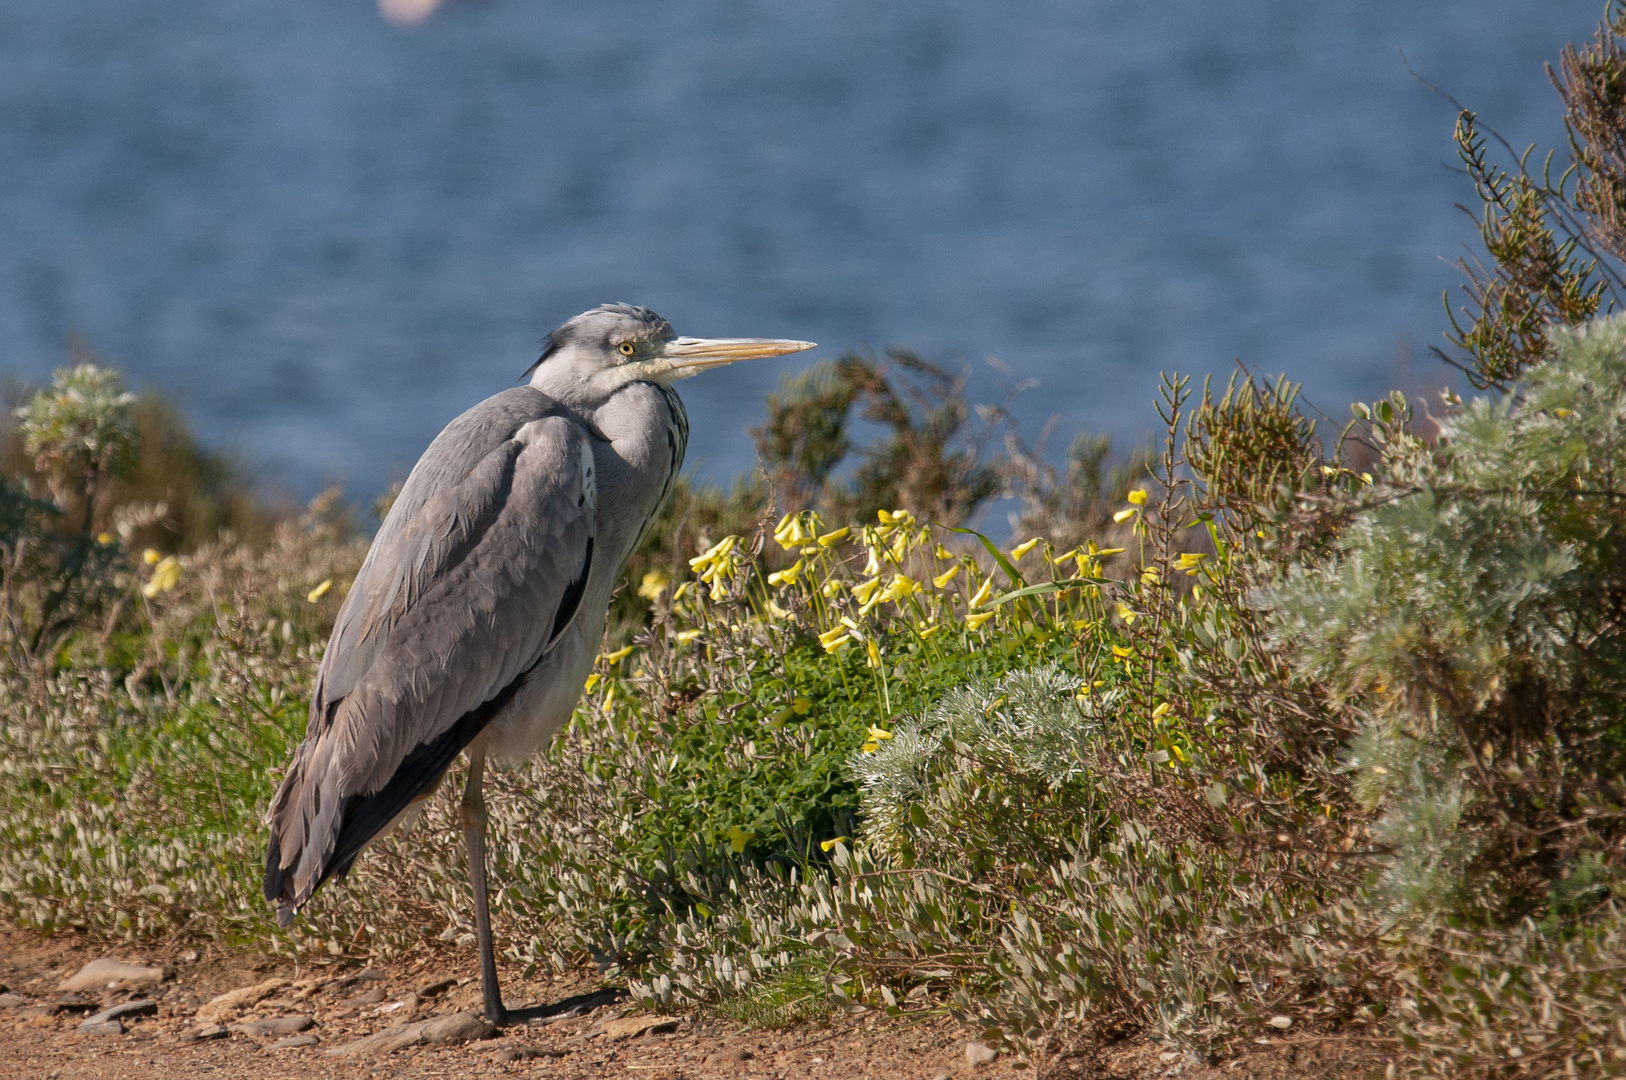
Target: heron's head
[{"x": 600, "y": 351}]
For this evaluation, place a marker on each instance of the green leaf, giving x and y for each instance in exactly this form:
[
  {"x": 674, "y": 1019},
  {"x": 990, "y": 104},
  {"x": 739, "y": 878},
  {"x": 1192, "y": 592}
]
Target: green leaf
[{"x": 999, "y": 556}]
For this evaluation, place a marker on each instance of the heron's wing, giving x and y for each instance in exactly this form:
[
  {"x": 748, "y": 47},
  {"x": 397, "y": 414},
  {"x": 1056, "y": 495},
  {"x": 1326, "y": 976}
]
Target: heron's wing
[{"x": 478, "y": 568}]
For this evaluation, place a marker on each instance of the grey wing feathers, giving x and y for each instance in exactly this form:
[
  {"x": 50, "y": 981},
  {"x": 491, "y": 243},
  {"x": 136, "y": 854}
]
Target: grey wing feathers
[{"x": 459, "y": 596}]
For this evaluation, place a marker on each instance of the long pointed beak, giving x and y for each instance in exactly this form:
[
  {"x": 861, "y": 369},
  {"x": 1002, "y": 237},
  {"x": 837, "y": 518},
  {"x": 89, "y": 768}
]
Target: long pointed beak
[{"x": 690, "y": 356}]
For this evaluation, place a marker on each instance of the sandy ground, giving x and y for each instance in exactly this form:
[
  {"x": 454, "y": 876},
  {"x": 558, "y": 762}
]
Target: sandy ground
[{"x": 347, "y": 999}]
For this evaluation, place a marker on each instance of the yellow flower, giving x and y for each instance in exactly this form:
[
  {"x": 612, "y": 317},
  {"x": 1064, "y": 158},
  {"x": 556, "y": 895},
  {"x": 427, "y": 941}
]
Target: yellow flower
[
  {"x": 686, "y": 636},
  {"x": 1196, "y": 592},
  {"x": 833, "y": 638},
  {"x": 738, "y": 838},
  {"x": 714, "y": 554},
  {"x": 1101, "y": 553},
  {"x": 1563, "y": 413},
  {"x": 789, "y": 531},
  {"x": 1179, "y": 755},
  {"x": 1022, "y": 549},
  {"x": 943, "y": 553},
  {"x": 874, "y": 651},
  {"x": 1121, "y": 652},
  {"x": 777, "y": 612},
  {"x": 319, "y": 592},
  {"x": 1149, "y": 575},
  {"x": 1125, "y": 614},
  {"x": 865, "y": 589},
  {"x": 974, "y": 621},
  {"x": 827, "y": 845},
  {"x": 164, "y": 577},
  {"x": 831, "y": 589},
  {"x": 150, "y": 556},
  {"x": 928, "y": 631},
  {"x": 982, "y": 594},
  {"x": 1161, "y": 711},
  {"x": 873, "y": 568},
  {"x": 946, "y": 576},
  {"x": 592, "y": 681},
  {"x": 900, "y": 588},
  {"x": 787, "y": 576},
  {"x": 1189, "y": 562},
  {"x": 1138, "y": 496},
  {"x": 618, "y": 656},
  {"x": 877, "y": 734},
  {"x": 1124, "y": 515},
  {"x": 1328, "y": 470},
  {"x": 830, "y": 539},
  {"x": 104, "y": 538},
  {"x": 654, "y": 586}
]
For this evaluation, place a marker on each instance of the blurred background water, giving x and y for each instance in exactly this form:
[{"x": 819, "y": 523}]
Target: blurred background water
[{"x": 326, "y": 233}]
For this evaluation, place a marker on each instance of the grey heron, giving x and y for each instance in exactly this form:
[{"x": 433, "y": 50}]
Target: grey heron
[{"x": 473, "y": 622}]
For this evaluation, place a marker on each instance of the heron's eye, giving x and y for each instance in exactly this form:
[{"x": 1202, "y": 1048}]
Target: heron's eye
[{"x": 627, "y": 348}]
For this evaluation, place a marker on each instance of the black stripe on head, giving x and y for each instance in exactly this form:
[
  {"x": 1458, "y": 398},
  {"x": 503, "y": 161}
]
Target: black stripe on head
[{"x": 550, "y": 345}]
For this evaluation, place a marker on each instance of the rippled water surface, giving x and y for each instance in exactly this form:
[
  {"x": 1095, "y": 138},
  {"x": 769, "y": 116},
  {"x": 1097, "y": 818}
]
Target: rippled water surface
[{"x": 327, "y": 234}]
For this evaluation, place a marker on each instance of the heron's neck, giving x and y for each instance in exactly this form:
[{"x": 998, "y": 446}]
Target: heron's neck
[{"x": 648, "y": 430}]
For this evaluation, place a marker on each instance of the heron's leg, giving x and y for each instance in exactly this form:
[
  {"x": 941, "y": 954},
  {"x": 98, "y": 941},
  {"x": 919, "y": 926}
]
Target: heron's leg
[{"x": 472, "y": 815}]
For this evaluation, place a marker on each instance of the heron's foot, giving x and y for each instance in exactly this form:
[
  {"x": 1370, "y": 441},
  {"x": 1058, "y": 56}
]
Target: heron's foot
[{"x": 579, "y": 1005}]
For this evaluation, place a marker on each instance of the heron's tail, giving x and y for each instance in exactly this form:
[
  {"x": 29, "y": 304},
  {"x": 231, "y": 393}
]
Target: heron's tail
[{"x": 320, "y": 823}]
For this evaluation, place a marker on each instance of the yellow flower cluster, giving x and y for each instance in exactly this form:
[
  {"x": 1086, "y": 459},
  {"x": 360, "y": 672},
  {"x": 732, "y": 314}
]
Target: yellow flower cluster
[
  {"x": 166, "y": 573},
  {"x": 717, "y": 565},
  {"x": 1137, "y": 499},
  {"x": 876, "y": 737}
]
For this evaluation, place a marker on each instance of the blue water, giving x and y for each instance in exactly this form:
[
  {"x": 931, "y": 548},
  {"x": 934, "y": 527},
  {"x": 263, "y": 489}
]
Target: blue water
[{"x": 327, "y": 234}]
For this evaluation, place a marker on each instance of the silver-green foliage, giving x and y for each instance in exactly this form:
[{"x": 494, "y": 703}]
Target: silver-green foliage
[
  {"x": 1472, "y": 610},
  {"x": 1034, "y": 724}
]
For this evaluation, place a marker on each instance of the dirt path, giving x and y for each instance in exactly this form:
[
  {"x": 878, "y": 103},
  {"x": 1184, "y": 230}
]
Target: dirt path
[{"x": 345, "y": 1000}]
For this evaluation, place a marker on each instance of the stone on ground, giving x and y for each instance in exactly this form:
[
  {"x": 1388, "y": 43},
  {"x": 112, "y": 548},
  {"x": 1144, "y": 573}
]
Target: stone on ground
[
  {"x": 633, "y": 1026},
  {"x": 294, "y": 1042},
  {"x": 282, "y": 1025},
  {"x": 207, "y": 1031},
  {"x": 98, "y": 1024},
  {"x": 111, "y": 973},
  {"x": 441, "y": 1031},
  {"x": 226, "y": 1005},
  {"x": 977, "y": 1053},
  {"x": 728, "y": 1057}
]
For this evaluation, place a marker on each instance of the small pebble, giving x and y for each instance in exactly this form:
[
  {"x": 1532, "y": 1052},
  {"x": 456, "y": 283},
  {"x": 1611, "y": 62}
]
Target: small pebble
[
  {"x": 207, "y": 1031},
  {"x": 101, "y": 1027}
]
